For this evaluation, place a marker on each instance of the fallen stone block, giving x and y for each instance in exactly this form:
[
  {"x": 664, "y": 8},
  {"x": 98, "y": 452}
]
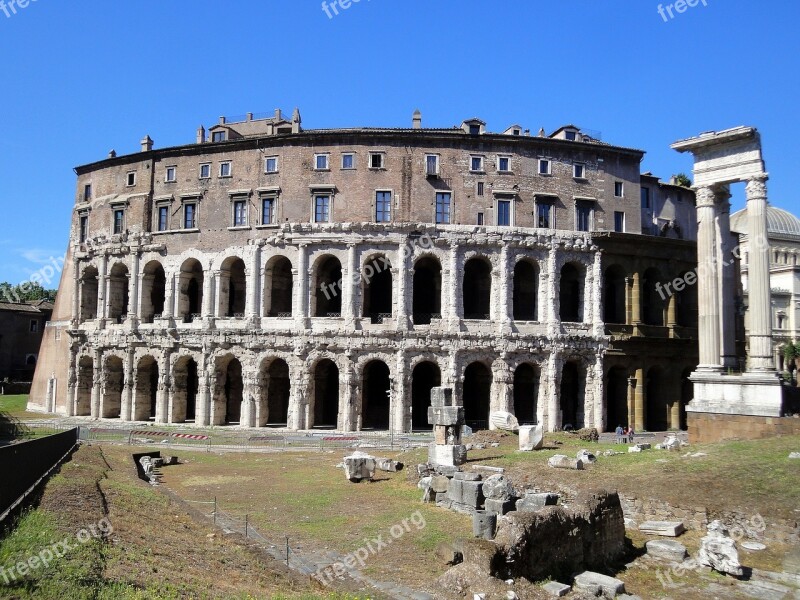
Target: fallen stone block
[
  {"x": 718, "y": 551},
  {"x": 531, "y": 437},
  {"x": 556, "y": 589},
  {"x": 359, "y": 466},
  {"x": 666, "y": 549},
  {"x": 484, "y": 524},
  {"x": 597, "y": 584},
  {"x": 533, "y": 502},
  {"x": 499, "y": 507},
  {"x": 794, "y": 455},
  {"x": 498, "y": 487},
  {"x": 586, "y": 456},
  {"x": 671, "y": 442},
  {"x": 389, "y": 465},
  {"x": 466, "y": 476},
  {"x": 504, "y": 421},
  {"x": 490, "y": 469},
  {"x": 663, "y": 528},
  {"x": 561, "y": 461},
  {"x": 639, "y": 447}
]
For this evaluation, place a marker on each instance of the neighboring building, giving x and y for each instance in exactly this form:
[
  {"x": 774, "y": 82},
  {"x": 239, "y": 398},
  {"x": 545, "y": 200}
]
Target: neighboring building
[
  {"x": 783, "y": 231},
  {"x": 272, "y": 275},
  {"x": 668, "y": 209},
  {"x": 22, "y": 327}
]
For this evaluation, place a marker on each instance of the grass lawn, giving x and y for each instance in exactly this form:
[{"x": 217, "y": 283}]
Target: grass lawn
[{"x": 15, "y": 406}]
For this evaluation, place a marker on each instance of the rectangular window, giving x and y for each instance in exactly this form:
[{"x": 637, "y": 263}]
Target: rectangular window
[
  {"x": 383, "y": 207},
  {"x": 163, "y": 218},
  {"x": 579, "y": 171},
  {"x": 376, "y": 160},
  {"x": 131, "y": 179},
  {"x": 34, "y": 327},
  {"x": 348, "y": 161},
  {"x": 431, "y": 165},
  {"x": 480, "y": 218},
  {"x": 570, "y": 135},
  {"x": 119, "y": 220},
  {"x": 544, "y": 166},
  {"x": 225, "y": 169},
  {"x": 239, "y": 213},
  {"x": 543, "y": 210},
  {"x": 205, "y": 171},
  {"x": 480, "y": 188},
  {"x": 267, "y": 211},
  {"x": 84, "y": 227},
  {"x": 503, "y": 164},
  {"x": 171, "y": 175},
  {"x": 321, "y": 162},
  {"x": 474, "y": 129},
  {"x": 645, "y": 197},
  {"x": 322, "y": 209},
  {"x": 218, "y": 136},
  {"x": 190, "y": 216},
  {"x": 583, "y": 215},
  {"x": 504, "y": 213},
  {"x": 476, "y": 164},
  {"x": 271, "y": 164},
  {"x": 443, "y": 207},
  {"x": 619, "y": 221},
  {"x": 618, "y": 189},
  {"x": 87, "y": 192}
]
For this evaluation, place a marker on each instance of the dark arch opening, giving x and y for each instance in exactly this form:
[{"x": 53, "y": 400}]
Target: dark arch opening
[
  {"x": 571, "y": 301},
  {"x": 657, "y": 401},
  {"x": 427, "y": 290},
  {"x": 686, "y": 305},
  {"x": 477, "y": 390},
  {"x": 118, "y": 293},
  {"x": 570, "y": 396},
  {"x": 89, "y": 294},
  {"x": 233, "y": 296},
  {"x": 234, "y": 390},
  {"x": 326, "y": 394},
  {"x": 83, "y": 406},
  {"x": 112, "y": 390},
  {"x": 526, "y": 290},
  {"x": 614, "y": 296},
  {"x": 477, "y": 289},
  {"x": 146, "y": 389},
  {"x": 190, "y": 301},
  {"x": 375, "y": 412},
  {"x": 425, "y": 376},
  {"x": 278, "y": 391},
  {"x": 154, "y": 285},
  {"x": 652, "y": 302},
  {"x": 377, "y": 278},
  {"x": 617, "y": 398},
  {"x": 185, "y": 386},
  {"x": 328, "y": 288},
  {"x": 526, "y": 394},
  {"x": 687, "y": 395},
  {"x": 279, "y": 287}
]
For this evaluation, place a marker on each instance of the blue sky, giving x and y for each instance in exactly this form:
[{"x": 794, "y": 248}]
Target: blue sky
[{"x": 80, "y": 78}]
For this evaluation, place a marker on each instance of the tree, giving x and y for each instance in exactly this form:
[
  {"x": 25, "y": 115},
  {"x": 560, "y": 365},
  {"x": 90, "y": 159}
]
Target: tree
[
  {"x": 25, "y": 292},
  {"x": 682, "y": 179}
]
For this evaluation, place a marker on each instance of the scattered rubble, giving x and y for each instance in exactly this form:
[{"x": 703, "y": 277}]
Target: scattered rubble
[
  {"x": 504, "y": 421},
  {"x": 663, "y": 528},
  {"x": 531, "y": 437},
  {"x": 639, "y": 447},
  {"x": 586, "y": 457},
  {"x": 666, "y": 549},
  {"x": 597, "y": 584},
  {"x": 561, "y": 461},
  {"x": 359, "y": 466},
  {"x": 718, "y": 551},
  {"x": 556, "y": 589}
]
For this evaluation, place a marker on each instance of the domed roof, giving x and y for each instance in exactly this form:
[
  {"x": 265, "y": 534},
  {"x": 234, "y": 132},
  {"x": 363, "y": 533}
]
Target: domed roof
[{"x": 779, "y": 222}]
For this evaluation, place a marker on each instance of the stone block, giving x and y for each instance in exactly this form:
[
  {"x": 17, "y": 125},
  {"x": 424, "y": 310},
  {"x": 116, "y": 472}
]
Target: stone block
[
  {"x": 597, "y": 584},
  {"x": 560, "y": 461},
  {"x": 499, "y": 507},
  {"x": 359, "y": 466},
  {"x": 666, "y": 549},
  {"x": 467, "y": 493},
  {"x": 447, "y": 471},
  {"x": 638, "y": 447},
  {"x": 498, "y": 487},
  {"x": 447, "y": 455},
  {"x": 718, "y": 551},
  {"x": 556, "y": 589},
  {"x": 388, "y": 465},
  {"x": 504, "y": 421},
  {"x": 484, "y": 524},
  {"x": 440, "y": 483},
  {"x": 531, "y": 437},
  {"x": 533, "y": 502},
  {"x": 446, "y": 415},
  {"x": 664, "y": 528},
  {"x": 586, "y": 457},
  {"x": 466, "y": 476},
  {"x": 441, "y": 396}
]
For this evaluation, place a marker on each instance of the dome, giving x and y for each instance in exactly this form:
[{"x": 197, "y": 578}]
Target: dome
[{"x": 779, "y": 222}]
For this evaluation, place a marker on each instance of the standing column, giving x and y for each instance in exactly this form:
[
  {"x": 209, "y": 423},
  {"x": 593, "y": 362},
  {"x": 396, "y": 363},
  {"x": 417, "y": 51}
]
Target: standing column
[
  {"x": 133, "y": 291},
  {"x": 597, "y": 295},
  {"x": 631, "y": 400},
  {"x": 639, "y": 400},
  {"x": 629, "y": 300},
  {"x": 400, "y": 402},
  {"x": 759, "y": 291},
  {"x": 301, "y": 287},
  {"x": 97, "y": 382},
  {"x": 708, "y": 295},
  {"x": 216, "y": 305},
  {"x": 501, "y": 311},
  {"x": 553, "y": 385},
  {"x": 169, "y": 295},
  {"x": 102, "y": 292},
  {"x": 502, "y": 390},
  {"x": 401, "y": 275},
  {"x": 128, "y": 386},
  {"x": 253, "y": 303},
  {"x": 349, "y": 287},
  {"x": 636, "y": 301},
  {"x": 349, "y": 417},
  {"x": 599, "y": 414},
  {"x": 208, "y": 294},
  {"x": 164, "y": 384},
  {"x": 72, "y": 383},
  {"x": 727, "y": 285},
  {"x": 553, "y": 295},
  {"x": 672, "y": 313},
  {"x": 454, "y": 312}
]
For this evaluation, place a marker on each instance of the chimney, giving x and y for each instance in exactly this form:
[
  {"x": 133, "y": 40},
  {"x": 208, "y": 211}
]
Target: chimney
[
  {"x": 147, "y": 144},
  {"x": 201, "y": 135},
  {"x": 528, "y": 132},
  {"x": 222, "y": 120},
  {"x": 278, "y": 115},
  {"x": 541, "y": 132},
  {"x": 416, "y": 120},
  {"x": 249, "y": 116},
  {"x": 296, "y": 120},
  {"x": 112, "y": 154}
]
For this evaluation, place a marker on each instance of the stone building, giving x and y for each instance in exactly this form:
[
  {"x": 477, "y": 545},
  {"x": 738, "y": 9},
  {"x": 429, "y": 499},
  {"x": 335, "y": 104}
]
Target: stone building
[
  {"x": 21, "y": 328},
  {"x": 272, "y": 275}
]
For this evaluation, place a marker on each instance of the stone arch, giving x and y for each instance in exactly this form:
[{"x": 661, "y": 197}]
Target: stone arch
[
  {"x": 233, "y": 288},
  {"x": 229, "y": 389},
  {"x": 185, "y": 386},
  {"x": 572, "y": 293},
  {"x": 84, "y": 383},
  {"x": 427, "y": 292},
  {"x": 275, "y": 392},
  {"x": 572, "y": 391},
  {"x": 190, "y": 289},
  {"x": 616, "y": 391},
  {"x": 146, "y": 389},
  {"x": 476, "y": 393},
  {"x": 376, "y": 282},
  {"x": 89, "y": 293},
  {"x": 614, "y": 305},
  {"x": 477, "y": 288},
  {"x": 114, "y": 381},
  {"x": 118, "y": 300},
  {"x": 653, "y": 300},
  {"x": 154, "y": 291},
  {"x": 527, "y": 379},
  {"x": 278, "y": 287},
  {"x": 657, "y": 394},
  {"x": 526, "y": 290},
  {"x": 326, "y": 287},
  {"x": 425, "y": 375},
  {"x": 324, "y": 396},
  {"x": 375, "y": 398}
]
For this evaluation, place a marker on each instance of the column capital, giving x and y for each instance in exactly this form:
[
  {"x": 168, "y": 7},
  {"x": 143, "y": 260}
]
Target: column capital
[{"x": 756, "y": 188}]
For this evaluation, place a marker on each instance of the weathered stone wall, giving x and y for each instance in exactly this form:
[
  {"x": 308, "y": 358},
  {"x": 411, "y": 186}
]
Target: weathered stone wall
[{"x": 708, "y": 427}]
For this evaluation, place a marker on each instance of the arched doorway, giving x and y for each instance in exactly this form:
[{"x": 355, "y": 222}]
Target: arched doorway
[
  {"x": 617, "y": 398},
  {"x": 233, "y": 288},
  {"x": 112, "y": 389},
  {"x": 277, "y": 385},
  {"x": 190, "y": 290},
  {"x": 476, "y": 393},
  {"x": 326, "y": 395},
  {"x": 154, "y": 282},
  {"x": 327, "y": 290},
  {"x": 477, "y": 289},
  {"x": 653, "y": 301},
  {"x": 375, "y": 388},
  {"x": 231, "y": 389},
  {"x": 571, "y": 396},
  {"x": 118, "y": 293},
  {"x": 83, "y": 404},
  {"x": 571, "y": 294},
  {"x": 89, "y": 294},
  {"x": 427, "y": 290},
  {"x": 146, "y": 391},
  {"x": 526, "y": 290},
  {"x": 377, "y": 289},
  {"x": 526, "y": 394},
  {"x": 184, "y": 390},
  {"x": 425, "y": 376},
  {"x": 278, "y": 287},
  {"x": 614, "y": 297}
]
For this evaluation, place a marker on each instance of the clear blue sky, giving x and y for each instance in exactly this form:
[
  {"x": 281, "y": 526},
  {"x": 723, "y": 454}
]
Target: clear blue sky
[{"x": 80, "y": 78}]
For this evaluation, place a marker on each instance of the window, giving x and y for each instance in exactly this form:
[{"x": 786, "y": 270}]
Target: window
[
  {"x": 119, "y": 220},
  {"x": 163, "y": 218},
  {"x": 504, "y": 213},
  {"x": 271, "y": 164},
  {"x": 348, "y": 161},
  {"x": 474, "y": 129},
  {"x": 267, "y": 211},
  {"x": 503, "y": 164},
  {"x": 619, "y": 221},
  {"x": 480, "y": 188},
  {"x": 431, "y": 165},
  {"x": 579, "y": 171},
  {"x": 87, "y": 192},
  {"x": 543, "y": 212},
  {"x": 544, "y": 166},
  {"x": 190, "y": 215},
  {"x": 480, "y": 218},
  {"x": 34, "y": 327},
  {"x": 239, "y": 213},
  {"x": 321, "y": 162},
  {"x": 131, "y": 179},
  {"x": 618, "y": 189},
  {"x": 225, "y": 169},
  {"x": 583, "y": 215},
  {"x": 171, "y": 175},
  {"x": 84, "y": 227},
  {"x": 322, "y": 209},
  {"x": 645, "y": 197},
  {"x": 383, "y": 207},
  {"x": 476, "y": 164},
  {"x": 205, "y": 171},
  {"x": 443, "y": 207},
  {"x": 376, "y": 160},
  {"x": 570, "y": 135},
  {"x": 218, "y": 136}
]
